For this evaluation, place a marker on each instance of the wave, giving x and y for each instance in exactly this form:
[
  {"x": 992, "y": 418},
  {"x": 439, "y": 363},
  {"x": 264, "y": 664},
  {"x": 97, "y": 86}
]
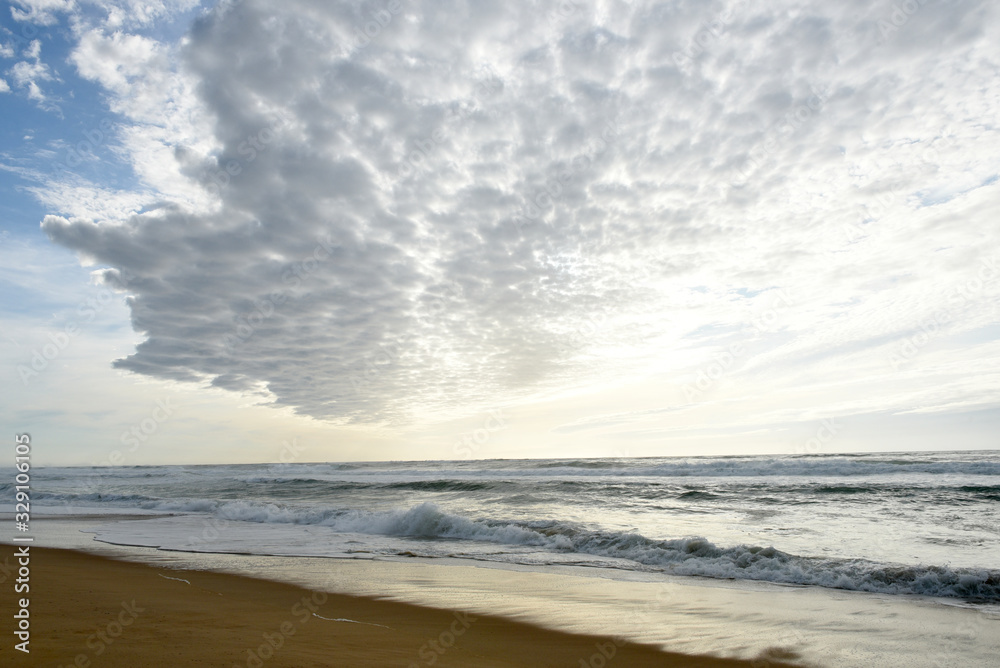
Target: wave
[
  {"x": 188, "y": 496},
  {"x": 335, "y": 485},
  {"x": 715, "y": 467},
  {"x": 986, "y": 492},
  {"x": 699, "y": 495},
  {"x": 582, "y": 463},
  {"x": 91, "y": 497},
  {"x": 844, "y": 489},
  {"x": 443, "y": 485},
  {"x": 567, "y": 471},
  {"x": 792, "y": 467},
  {"x": 688, "y": 556}
]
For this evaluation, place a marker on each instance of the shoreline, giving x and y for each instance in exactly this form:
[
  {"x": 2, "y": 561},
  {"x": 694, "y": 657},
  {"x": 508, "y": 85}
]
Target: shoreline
[
  {"x": 760, "y": 624},
  {"x": 88, "y": 610}
]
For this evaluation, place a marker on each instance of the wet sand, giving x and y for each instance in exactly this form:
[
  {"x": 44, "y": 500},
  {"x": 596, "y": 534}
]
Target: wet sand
[{"x": 88, "y": 610}]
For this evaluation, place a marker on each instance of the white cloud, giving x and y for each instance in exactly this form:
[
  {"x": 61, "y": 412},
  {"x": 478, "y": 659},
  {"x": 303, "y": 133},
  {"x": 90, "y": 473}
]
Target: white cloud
[
  {"x": 27, "y": 75},
  {"x": 116, "y": 13},
  {"x": 118, "y": 61},
  {"x": 4, "y": 86},
  {"x": 34, "y": 49},
  {"x": 128, "y": 13},
  {"x": 42, "y": 12},
  {"x": 363, "y": 257},
  {"x": 87, "y": 200},
  {"x": 166, "y": 119},
  {"x": 75, "y": 196}
]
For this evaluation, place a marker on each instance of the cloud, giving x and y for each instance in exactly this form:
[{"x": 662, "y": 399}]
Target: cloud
[
  {"x": 376, "y": 215},
  {"x": 27, "y": 75},
  {"x": 137, "y": 13},
  {"x": 114, "y": 61},
  {"x": 42, "y": 12},
  {"x": 116, "y": 13},
  {"x": 4, "y": 86}
]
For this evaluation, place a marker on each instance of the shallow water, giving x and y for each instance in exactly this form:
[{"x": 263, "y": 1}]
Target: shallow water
[
  {"x": 897, "y": 523},
  {"x": 736, "y": 618}
]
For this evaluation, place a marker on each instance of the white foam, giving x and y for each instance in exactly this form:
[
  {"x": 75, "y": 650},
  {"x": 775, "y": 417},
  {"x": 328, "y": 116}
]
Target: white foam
[
  {"x": 350, "y": 621},
  {"x": 350, "y": 532}
]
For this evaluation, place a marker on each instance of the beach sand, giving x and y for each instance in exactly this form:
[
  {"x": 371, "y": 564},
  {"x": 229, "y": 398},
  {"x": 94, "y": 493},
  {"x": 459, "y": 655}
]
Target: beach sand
[{"x": 88, "y": 610}]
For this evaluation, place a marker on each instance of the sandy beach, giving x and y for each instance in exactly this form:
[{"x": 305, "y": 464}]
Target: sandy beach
[
  {"x": 88, "y": 610},
  {"x": 589, "y": 334}
]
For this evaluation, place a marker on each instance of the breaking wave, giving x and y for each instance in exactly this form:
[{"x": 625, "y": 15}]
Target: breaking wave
[{"x": 692, "y": 556}]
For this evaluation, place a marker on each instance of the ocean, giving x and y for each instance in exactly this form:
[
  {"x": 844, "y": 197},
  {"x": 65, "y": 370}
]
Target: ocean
[{"x": 896, "y": 524}]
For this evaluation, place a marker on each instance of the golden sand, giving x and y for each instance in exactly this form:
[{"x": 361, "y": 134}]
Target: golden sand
[{"x": 91, "y": 611}]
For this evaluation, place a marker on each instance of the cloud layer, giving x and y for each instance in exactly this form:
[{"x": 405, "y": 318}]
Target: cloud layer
[{"x": 380, "y": 211}]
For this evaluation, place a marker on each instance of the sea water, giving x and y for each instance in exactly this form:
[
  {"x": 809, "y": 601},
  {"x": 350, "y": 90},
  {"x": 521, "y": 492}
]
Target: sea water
[
  {"x": 908, "y": 524},
  {"x": 828, "y": 560}
]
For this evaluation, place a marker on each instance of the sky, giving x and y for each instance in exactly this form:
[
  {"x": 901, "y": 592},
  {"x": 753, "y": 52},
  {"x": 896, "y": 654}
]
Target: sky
[{"x": 324, "y": 230}]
